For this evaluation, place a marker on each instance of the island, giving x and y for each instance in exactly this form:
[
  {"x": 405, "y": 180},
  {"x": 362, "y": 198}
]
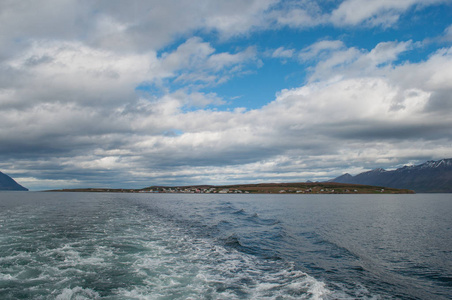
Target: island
[{"x": 260, "y": 188}]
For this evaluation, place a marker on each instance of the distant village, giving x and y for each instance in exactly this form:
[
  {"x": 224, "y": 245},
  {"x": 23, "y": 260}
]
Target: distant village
[
  {"x": 193, "y": 190},
  {"x": 265, "y": 188},
  {"x": 216, "y": 190}
]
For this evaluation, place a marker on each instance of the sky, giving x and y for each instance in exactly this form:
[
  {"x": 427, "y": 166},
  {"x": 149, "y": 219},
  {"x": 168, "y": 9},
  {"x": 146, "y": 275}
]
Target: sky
[{"x": 129, "y": 94}]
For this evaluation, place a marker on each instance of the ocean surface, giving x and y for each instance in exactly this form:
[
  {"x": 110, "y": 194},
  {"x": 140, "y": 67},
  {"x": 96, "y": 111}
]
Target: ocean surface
[{"x": 207, "y": 246}]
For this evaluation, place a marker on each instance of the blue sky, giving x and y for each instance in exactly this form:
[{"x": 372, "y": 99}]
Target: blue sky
[
  {"x": 276, "y": 73},
  {"x": 132, "y": 94}
]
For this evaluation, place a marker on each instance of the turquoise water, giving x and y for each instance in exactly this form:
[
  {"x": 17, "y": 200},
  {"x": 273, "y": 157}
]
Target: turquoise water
[{"x": 177, "y": 246}]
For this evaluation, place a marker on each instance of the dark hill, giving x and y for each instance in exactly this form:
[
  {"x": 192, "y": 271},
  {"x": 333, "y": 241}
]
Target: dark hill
[
  {"x": 429, "y": 177},
  {"x": 8, "y": 184}
]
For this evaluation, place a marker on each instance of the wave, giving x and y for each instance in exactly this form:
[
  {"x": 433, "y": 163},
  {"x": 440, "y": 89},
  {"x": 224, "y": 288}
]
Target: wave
[
  {"x": 240, "y": 212},
  {"x": 78, "y": 293}
]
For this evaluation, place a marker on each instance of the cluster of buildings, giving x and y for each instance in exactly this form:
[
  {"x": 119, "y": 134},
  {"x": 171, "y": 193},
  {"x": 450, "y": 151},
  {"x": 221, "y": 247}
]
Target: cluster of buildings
[
  {"x": 317, "y": 191},
  {"x": 253, "y": 189},
  {"x": 193, "y": 190}
]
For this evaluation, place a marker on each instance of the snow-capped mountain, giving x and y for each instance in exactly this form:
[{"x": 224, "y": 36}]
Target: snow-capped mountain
[{"x": 429, "y": 177}]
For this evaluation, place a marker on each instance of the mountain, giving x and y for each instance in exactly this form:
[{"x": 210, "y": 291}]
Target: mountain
[
  {"x": 8, "y": 184},
  {"x": 429, "y": 177}
]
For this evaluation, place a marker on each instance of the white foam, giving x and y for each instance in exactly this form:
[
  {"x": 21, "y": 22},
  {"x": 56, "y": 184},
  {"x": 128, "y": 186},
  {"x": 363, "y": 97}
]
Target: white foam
[
  {"x": 7, "y": 277},
  {"x": 72, "y": 256},
  {"x": 77, "y": 293},
  {"x": 179, "y": 266}
]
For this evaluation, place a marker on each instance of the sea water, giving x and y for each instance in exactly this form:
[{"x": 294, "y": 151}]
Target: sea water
[{"x": 207, "y": 246}]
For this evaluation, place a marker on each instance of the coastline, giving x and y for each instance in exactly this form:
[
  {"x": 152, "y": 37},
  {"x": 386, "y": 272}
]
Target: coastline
[{"x": 261, "y": 188}]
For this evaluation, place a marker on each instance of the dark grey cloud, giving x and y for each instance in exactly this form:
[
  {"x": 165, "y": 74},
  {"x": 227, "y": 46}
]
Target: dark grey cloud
[
  {"x": 440, "y": 102},
  {"x": 386, "y": 131}
]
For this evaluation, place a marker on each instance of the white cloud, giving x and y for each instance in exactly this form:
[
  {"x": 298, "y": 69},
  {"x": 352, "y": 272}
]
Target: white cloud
[
  {"x": 190, "y": 54},
  {"x": 237, "y": 17},
  {"x": 432, "y": 75},
  {"x": 371, "y": 13},
  {"x": 386, "y": 52},
  {"x": 299, "y": 18},
  {"x": 223, "y": 60},
  {"x": 196, "y": 61},
  {"x": 337, "y": 61},
  {"x": 318, "y": 50},
  {"x": 374, "y": 13},
  {"x": 72, "y": 72},
  {"x": 196, "y": 99},
  {"x": 282, "y": 52},
  {"x": 448, "y": 33},
  {"x": 123, "y": 26}
]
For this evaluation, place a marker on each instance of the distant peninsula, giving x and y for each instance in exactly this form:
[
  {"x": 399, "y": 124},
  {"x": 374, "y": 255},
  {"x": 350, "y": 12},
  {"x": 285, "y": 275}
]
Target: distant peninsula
[
  {"x": 261, "y": 188},
  {"x": 9, "y": 184}
]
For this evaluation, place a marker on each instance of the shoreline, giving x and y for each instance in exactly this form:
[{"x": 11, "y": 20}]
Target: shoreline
[{"x": 261, "y": 188}]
